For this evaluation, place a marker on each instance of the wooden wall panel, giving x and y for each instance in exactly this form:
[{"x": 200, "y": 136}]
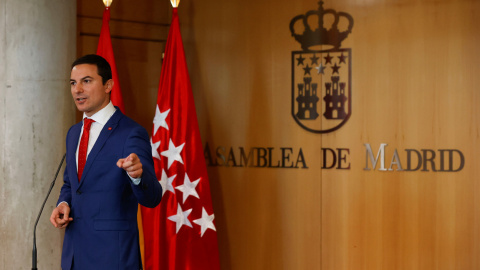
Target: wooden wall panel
[
  {"x": 415, "y": 70},
  {"x": 413, "y": 81},
  {"x": 268, "y": 218},
  {"x": 414, "y": 85}
]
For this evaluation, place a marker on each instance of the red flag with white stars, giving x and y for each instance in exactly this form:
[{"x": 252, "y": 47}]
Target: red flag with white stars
[
  {"x": 180, "y": 233},
  {"x": 105, "y": 50}
]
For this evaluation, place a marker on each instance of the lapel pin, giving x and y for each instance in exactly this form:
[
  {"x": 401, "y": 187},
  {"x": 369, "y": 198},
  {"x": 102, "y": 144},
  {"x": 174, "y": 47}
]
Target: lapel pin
[{"x": 109, "y": 128}]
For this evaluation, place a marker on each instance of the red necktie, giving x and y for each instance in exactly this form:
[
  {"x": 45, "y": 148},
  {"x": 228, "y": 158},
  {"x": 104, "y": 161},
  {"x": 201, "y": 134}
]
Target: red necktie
[{"x": 82, "y": 150}]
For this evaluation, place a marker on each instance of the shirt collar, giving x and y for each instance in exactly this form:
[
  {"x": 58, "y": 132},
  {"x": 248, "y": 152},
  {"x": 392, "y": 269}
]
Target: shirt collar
[{"x": 103, "y": 115}]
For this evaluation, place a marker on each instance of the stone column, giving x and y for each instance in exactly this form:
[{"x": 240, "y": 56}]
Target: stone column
[{"x": 37, "y": 46}]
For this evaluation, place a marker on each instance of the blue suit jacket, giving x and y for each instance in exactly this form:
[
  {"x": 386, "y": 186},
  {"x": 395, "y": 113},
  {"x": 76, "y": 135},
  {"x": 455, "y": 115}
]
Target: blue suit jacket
[{"x": 103, "y": 205}]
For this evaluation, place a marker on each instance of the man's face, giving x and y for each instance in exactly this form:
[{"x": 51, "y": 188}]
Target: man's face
[{"x": 89, "y": 93}]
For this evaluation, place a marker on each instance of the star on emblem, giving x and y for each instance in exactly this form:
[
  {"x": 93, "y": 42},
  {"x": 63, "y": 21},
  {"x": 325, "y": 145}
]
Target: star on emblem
[
  {"x": 314, "y": 59},
  {"x": 300, "y": 60},
  {"x": 181, "y": 218},
  {"x": 173, "y": 153},
  {"x": 155, "y": 148},
  {"x": 206, "y": 222},
  {"x": 159, "y": 120},
  {"x": 342, "y": 58},
  {"x": 188, "y": 188},
  {"x": 307, "y": 70},
  {"x": 167, "y": 182},
  {"x": 328, "y": 59},
  {"x": 320, "y": 69},
  {"x": 335, "y": 68}
]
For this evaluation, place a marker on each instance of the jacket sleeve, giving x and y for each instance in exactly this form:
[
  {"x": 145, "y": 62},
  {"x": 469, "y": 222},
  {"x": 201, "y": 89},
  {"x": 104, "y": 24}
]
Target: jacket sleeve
[
  {"x": 66, "y": 190},
  {"x": 149, "y": 190}
]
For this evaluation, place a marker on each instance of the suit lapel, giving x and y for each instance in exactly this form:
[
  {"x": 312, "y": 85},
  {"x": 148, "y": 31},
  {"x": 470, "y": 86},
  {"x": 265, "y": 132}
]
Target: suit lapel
[
  {"x": 72, "y": 143},
  {"x": 107, "y": 130}
]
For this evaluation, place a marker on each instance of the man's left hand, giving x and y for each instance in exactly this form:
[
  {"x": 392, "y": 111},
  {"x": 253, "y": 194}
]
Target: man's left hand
[{"x": 132, "y": 165}]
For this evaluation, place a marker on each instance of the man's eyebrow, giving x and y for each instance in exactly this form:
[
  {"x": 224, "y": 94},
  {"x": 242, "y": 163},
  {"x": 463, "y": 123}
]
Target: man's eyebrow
[{"x": 86, "y": 77}]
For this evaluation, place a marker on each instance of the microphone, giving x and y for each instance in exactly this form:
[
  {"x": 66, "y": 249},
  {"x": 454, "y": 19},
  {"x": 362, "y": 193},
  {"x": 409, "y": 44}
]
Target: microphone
[{"x": 34, "y": 251}]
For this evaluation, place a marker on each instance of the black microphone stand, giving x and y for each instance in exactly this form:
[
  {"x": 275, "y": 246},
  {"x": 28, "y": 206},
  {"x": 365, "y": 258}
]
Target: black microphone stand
[{"x": 34, "y": 251}]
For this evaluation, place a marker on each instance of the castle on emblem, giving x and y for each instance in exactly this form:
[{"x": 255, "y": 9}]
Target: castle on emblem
[
  {"x": 335, "y": 100},
  {"x": 307, "y": 99}
]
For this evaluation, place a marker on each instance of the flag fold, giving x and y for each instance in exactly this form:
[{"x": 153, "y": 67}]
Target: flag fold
[
  {"x": 105, "y": 50},
  {"x": 180, "y": 233}
]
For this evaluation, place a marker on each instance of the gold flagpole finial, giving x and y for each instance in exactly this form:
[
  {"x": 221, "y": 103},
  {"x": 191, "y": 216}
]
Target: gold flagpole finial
[
  {"x": 175, "y": 3},
  {"x": 107, "y": 3}
]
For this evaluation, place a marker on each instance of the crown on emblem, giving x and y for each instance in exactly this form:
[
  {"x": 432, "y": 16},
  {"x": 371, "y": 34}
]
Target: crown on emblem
[{"x": 321, "y": 36}]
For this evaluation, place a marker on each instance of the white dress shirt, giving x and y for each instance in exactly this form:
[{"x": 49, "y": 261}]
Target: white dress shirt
[{"x": 101, "y": 118}]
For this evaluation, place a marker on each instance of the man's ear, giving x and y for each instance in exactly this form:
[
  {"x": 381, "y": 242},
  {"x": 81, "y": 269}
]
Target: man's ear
[{"x": 109, "y": 86}]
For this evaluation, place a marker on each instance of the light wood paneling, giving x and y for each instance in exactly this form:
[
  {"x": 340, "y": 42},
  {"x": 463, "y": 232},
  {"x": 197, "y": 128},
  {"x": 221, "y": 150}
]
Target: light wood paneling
[{"x": 415, "y": 76}]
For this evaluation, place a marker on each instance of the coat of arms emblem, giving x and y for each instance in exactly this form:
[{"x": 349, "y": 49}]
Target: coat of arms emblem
[{"x": 321, "y": 71}]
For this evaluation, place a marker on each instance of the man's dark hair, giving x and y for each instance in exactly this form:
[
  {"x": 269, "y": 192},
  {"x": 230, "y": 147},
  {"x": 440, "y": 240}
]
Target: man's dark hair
[{"x": 103, "y": 67}]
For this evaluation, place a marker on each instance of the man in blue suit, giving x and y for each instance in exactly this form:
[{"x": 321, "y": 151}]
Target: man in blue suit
[{"x": 98, "y": 203}]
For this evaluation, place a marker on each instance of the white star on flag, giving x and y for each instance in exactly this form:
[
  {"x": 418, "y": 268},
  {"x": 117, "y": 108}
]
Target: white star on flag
[
  {"x": 166, "y": 182},
  {"x": 155, "y": 148},
  {"x": 181, "y": 218},
  {"x": 173, "y": 153},
  {"x": 188, "y": 188},
  {"x": 206, "y": 222},
  {"x": 159, "y": 120}
]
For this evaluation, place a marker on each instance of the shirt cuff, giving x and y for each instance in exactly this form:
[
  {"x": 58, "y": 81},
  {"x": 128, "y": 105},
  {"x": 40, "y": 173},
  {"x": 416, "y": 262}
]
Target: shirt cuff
[
  {"x": 62, "y": 202},
  {"x": 135, "y": 181}
]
